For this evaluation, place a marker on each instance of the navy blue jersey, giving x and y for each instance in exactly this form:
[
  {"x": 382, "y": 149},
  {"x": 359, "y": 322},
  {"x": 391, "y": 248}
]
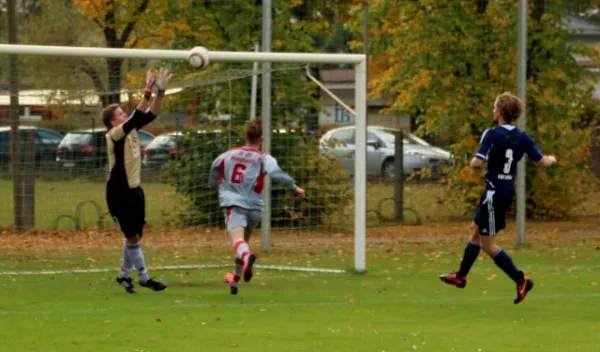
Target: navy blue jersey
[{"x": 503, "y": 147}]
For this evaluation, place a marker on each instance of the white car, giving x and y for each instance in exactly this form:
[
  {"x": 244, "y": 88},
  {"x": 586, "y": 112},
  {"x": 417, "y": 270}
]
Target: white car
[{"x": 418, "y": 154}]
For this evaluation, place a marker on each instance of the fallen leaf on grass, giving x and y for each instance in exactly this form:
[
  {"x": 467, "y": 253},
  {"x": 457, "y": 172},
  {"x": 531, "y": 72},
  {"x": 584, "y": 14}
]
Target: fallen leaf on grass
[{"x": 491, "y": 277}]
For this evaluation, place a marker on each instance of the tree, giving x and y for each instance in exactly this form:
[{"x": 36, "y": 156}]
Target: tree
[
  {"x": 216, "y": 25},
  {"x": 117, "y": 20},
  {"x": 445, "y": 61},
  {"x": 51, "y": 22}
]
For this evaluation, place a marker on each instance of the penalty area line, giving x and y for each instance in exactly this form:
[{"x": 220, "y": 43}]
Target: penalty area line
[{"x": 171, "y": 267}]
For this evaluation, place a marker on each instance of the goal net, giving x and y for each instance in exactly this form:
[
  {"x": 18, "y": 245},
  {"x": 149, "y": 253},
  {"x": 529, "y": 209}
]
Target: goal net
[{"x": 58, "y": 179}]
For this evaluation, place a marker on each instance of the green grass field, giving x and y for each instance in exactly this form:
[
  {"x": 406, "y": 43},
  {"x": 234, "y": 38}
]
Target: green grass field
[
  {"x": 56, "y": 198},
  {"x": 398, "y": 305}
]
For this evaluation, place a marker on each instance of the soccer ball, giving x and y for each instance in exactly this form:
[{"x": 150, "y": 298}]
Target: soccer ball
[{"x": 198, "y": 57}]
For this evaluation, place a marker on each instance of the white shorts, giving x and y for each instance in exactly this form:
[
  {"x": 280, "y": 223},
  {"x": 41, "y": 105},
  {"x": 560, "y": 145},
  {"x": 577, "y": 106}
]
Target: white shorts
[{"x": 240, "y": 217}]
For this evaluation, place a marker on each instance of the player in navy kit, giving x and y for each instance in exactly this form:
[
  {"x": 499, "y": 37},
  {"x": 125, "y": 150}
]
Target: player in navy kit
[{"x": 502, "y": 147}]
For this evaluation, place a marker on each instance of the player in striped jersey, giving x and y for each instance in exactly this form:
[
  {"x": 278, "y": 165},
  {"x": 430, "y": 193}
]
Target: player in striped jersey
[
  {"x": 502, "y": 147},
  {"x": 239, "y": 173}
]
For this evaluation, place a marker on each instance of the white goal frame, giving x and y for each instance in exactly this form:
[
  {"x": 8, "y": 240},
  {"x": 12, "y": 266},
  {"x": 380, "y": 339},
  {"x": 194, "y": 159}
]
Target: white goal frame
[{"x": 358, "y": 60}]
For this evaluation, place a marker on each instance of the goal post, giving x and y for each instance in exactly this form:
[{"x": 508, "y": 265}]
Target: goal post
[{"x": 358, "y": 60}]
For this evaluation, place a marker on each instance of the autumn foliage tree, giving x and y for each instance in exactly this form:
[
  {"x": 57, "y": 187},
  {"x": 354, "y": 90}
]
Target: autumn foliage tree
[
  {"x": 218, "y": 25},
  {"x": 117, "y": 20},
  {"x": 444, "y": 61}
]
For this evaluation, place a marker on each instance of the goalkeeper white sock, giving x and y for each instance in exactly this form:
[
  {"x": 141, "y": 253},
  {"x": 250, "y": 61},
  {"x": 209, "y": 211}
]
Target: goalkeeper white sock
[
  {"x": 137, "y": 257},
  {"x": 241, "y": 249},
  {"x": 127, "y": 264}
]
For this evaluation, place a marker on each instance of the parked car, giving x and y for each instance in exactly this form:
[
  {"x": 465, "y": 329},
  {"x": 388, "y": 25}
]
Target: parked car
[
  {"x": 86, "y": 148},
  {"x": 418, "y": 154},
  {"x": 161, "y": 150},
  {"x": 46, "y": 142},
  {"x": 168, "y": 146}
]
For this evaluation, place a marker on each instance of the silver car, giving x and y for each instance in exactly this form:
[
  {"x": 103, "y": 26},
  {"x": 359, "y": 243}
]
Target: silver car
[{"x": 418, "y": 154}]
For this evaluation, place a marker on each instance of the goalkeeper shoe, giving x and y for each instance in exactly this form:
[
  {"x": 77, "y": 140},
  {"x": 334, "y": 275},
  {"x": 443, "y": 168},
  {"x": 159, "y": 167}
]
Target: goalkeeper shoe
[
  {"x": 247, "y": 268},
  {"x": 454, "y": 279},
  {"x": 127, "y": 283},
  {"x": 153, "y": 285},
  {"x": 523, "y": 289},
  {"x": 233, "y": 284}
]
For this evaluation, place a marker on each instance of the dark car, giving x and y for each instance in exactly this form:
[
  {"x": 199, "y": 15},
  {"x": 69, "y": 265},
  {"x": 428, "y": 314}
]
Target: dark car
[
  {"x": 161, "y": 150},
  {"x": 46, "y": 142},
  {"x": 86, "y": 149},
  {"x": 171, "y": 146}
]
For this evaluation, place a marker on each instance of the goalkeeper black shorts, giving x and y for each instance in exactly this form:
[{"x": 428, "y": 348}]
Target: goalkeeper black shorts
[{"x": 128, "y": 209}]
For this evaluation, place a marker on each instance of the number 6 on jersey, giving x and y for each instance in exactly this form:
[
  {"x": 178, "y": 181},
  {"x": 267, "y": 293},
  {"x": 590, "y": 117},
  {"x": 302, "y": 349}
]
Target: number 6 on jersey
[{"x": 237, "y": 175}]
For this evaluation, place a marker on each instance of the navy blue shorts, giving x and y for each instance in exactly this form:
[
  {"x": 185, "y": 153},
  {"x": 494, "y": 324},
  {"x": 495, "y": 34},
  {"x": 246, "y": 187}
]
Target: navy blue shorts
[{"x": 491, "y": 213}]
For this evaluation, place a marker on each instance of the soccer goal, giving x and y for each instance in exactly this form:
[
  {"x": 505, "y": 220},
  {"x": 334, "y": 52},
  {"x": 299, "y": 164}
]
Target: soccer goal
[{"x": 204, "y": 115}]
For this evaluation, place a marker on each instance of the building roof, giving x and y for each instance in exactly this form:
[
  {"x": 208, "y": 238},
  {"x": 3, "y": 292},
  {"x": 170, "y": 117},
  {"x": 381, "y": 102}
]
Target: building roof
[
  {"x": 42, "y": 97},
  {"x": 337, "y": 76},
  {"x": 583, "y": 26}
]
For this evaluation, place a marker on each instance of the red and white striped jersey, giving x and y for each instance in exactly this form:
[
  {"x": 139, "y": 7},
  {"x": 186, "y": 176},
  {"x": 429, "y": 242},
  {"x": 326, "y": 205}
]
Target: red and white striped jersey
[{"x": 240, "y": 175}]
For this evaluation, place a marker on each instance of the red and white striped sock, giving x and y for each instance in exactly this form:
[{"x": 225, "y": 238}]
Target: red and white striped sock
[{"x": 241, "y": 248}]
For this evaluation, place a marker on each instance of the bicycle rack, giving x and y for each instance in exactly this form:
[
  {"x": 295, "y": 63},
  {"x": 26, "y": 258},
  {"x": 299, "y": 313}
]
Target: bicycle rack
[{"x": 77, "y": 218}]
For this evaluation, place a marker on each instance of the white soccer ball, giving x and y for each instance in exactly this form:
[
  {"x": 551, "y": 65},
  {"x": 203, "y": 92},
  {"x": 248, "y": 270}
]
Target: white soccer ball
[{"x": 198, "y": 57}]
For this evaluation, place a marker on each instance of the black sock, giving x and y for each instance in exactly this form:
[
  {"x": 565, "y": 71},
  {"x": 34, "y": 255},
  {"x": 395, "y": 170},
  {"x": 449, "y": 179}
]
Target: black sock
[
  {"x": 504, "y": 262},
  {"x": 470, "y": 256}
]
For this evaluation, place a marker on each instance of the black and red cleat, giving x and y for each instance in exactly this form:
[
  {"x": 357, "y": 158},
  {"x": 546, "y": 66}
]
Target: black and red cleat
[
  {"x": 454, "y": 280},
  {"x": 523, "y": 289},
  {"x": 247, "y": 269}
]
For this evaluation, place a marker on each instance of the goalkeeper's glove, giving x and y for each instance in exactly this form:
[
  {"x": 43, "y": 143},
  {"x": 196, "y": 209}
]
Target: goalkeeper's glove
[
  {"x": 150, "y": 82},
  {"x": 163, "y": 77}
]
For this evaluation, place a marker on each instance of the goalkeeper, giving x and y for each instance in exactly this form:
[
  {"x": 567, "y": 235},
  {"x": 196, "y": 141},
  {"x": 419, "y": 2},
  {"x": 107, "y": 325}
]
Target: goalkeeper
[
  {"x": 124, "y": 195},
  {"x": 240, "y": 175}
]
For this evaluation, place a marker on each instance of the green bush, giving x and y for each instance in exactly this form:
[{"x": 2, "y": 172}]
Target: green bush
[{"x": 327, "y": 185}]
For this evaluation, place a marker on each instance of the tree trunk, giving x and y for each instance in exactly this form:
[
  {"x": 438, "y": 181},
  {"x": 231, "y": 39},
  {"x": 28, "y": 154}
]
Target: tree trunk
[
  {"x": 482, "y": 6},
  {"x": 114, "y": 67}
]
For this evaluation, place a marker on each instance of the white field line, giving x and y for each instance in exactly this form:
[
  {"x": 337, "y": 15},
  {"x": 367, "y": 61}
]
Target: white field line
[
  {"x": 392, "y": 271},
  {"x": 172, "y": 267}
]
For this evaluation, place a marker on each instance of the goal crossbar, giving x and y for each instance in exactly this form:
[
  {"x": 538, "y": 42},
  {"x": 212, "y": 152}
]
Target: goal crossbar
[
  {"x": 359, "y": 60},
  {"x": 215, "y": 56}
]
